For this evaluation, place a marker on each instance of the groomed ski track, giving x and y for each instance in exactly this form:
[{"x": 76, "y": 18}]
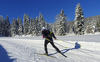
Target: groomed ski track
[{"x": 23, "y": 49}]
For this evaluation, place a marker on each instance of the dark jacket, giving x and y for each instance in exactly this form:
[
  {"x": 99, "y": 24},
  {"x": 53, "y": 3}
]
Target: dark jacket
[{"x": 48, "y": 34}]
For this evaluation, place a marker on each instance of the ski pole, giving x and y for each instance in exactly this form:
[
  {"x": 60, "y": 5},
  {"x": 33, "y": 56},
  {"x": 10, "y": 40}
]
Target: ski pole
[
  {"x": 57, "y": 43},
  {"x": 67, "y": 42},
  {"x": 60, "y": 45},
  {"x": 64, "y": 41}
]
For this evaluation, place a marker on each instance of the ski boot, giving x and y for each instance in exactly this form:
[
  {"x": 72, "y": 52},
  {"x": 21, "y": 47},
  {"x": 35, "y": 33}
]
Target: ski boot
[{"x": 46, "y": 54}]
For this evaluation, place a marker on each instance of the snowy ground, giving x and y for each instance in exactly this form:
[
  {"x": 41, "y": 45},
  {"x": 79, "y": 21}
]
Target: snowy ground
[{"x": 23, "y": 49}]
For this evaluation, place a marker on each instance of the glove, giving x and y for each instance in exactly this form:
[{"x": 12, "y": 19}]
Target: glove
[
  {"x": 43, "y": 36},
  {"x": 55, "y": 38}
]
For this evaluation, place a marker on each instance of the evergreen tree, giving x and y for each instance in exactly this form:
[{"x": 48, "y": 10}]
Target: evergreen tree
[
  {"x": 90, "y": 28},
  {"x": 34, "y": 32},
  {"x": 71, "y": 31},
  {"x": 61, "y": 24},
  {"x": 16, "y": 26},
  {"x": 98, "y": 24},
  {"x": 46, "y": 25},
  {"x": 7, "y": 26},
  {"x": 37, "y": 28},
  {"x": 79, "y": 20},
  {"x": 49, "y": 26},
  {"x": 41, "y": 23},
  {"x": 31, "y": 26},
  {"x": 19, "y": 26},
  {"x": 54, "y": 27},
  {"x": 2, "y": 26},
  {"x": 26, "y": 24},
  {"x": 13, "y": 28}
]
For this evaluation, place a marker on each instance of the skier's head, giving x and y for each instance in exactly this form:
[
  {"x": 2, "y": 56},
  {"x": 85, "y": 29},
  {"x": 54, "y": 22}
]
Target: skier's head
[{"x": 43, "y": 28}]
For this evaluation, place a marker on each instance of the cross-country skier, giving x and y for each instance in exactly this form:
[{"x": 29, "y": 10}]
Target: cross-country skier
[{"x": 48, "y": 39}]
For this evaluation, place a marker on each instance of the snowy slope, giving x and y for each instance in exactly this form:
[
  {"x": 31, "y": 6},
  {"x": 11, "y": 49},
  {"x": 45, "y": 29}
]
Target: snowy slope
[{"x": 23, "y": 49}]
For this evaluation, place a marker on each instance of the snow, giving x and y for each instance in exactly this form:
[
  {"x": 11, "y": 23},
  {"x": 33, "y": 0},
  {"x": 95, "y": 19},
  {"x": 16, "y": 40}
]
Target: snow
[
  {"x": 23, "y": 49},
  {"x": 97, "y": 33}
]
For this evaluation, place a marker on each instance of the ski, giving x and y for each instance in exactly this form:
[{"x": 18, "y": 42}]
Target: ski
[{"x": 45, "y": 55}]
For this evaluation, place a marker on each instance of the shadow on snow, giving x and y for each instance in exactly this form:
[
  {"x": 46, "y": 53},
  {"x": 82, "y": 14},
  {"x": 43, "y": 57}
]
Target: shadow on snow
[
  {"x": 77, "y": 46},
  {"x": 4, "y": 55}
]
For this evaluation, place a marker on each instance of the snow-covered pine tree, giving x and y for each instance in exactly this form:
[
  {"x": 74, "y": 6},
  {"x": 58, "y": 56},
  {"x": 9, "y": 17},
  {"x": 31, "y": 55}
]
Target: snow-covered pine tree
[
  {"x": 13, "y": 28},
  {"x": 7, "y": 27},
  {"x": 2, "y": 26},
  {"x": 31, "y": 27},
  {"x": 26, "y": 24},
  {"x": 20, "y": 29},
  {"x": 61, "y": 24},
  {"x": 34, "y": 32},
  {"x": 98, "y": 24},
  {"x": 46, "y": 25},
  {"x": 49, "y": 26},
  {"x": 71, "y": 31},
  {"x": 17, "y": 23},
  {"x": 90, "y": 28},
  {"x": 37, "y": 27},
  {"x": 79, "y": 20},
  {"x": 41, "y": 23},
  {"x": 54, "y": 27}
]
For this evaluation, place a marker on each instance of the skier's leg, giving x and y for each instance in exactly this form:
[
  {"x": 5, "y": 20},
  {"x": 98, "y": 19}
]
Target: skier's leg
[
  {"x": 45, "y": 46},
  {"x": 52, "y": 43}
]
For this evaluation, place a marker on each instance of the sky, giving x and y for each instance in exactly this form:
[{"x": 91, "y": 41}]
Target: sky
[{"x": 49, "y": 8}]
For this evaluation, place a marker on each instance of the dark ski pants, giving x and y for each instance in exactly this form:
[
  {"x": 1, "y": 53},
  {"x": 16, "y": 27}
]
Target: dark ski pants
[{"x": 52, "y": 43}]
